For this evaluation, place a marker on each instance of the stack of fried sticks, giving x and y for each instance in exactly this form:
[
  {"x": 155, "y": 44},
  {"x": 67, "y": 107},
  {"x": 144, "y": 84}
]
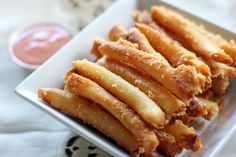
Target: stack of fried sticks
[{"x": 149, "y": 83}]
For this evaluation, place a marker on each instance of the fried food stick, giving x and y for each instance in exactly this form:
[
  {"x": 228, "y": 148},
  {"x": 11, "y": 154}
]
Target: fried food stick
[
  {"x": 190, "y": 33},
  {"x": 212, "y": 108},
  {"x": 134, "y": 36},
  {"x": 183, "y": 80},
  {"x": 163, "y": 97},
  {"x": 229, "y": 47},
  {"x": 221, "y": 76},
  {"x": 137, "y": 100},
  {"x": 90, "y": 113},
  {"x": 184, "y": 135},
  {"x": 168, "y": 145},
  {"x": 220, "y": 69},
  {"x": 84, "y": 87},
  {"x": 174, "y": 52},
  {"x": 196, "y": 108},
  {"x": 96, "y": 44}
]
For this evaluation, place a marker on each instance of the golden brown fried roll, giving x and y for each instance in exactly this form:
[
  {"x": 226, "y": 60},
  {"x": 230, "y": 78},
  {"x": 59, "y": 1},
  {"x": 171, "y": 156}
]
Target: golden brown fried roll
[
  {"x": 221, "y": 76},
  {"x": 196, "y": 108},
  {"x": 184, "y": 135},
  {"x": 212, "y": 108},
  {"x": 117, "y": 32},
  {"x": 190, "y": 33},
  {"x": 183, "y": 80},
  {"x": 168, "y": 145},
  {"x": 220, "y": 69},
  {"x": 137, "y": 100},
  {"x": 96, "y": 44},
  {"x": 174, "y": 52},
  {"x": 220, "y": 85},
  {"x": 135, "y": 36},
  {"x": 229, "y": 47},
  {"x": 84, "y": 87},
  {"x": 171, "y": 105},
  {"x": 90, "y": 113}
]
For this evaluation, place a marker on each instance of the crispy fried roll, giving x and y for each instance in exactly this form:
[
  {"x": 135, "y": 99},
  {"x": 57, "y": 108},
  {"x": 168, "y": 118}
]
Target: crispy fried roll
[
  {"x": 182, "y": 81},
  {"x": 190, "y": 32},
  {"x": 90, "y": 113},
  {"x": 84, "y": 87},
  {"x": 184, "y": 135},
  {"x": 163, "y": 97},
  {"x": 125, "y": 91}
]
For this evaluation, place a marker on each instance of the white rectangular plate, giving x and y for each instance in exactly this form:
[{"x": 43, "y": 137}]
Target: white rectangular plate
[{"x": 50, "y": 74}]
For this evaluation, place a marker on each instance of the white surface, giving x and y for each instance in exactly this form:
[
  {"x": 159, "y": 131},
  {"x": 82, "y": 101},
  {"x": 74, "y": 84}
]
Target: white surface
[{"x": 17, "y": 117}]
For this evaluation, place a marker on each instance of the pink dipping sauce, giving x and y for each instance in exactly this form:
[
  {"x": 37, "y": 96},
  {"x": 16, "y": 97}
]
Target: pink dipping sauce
[{"x": 36, "y": 44}]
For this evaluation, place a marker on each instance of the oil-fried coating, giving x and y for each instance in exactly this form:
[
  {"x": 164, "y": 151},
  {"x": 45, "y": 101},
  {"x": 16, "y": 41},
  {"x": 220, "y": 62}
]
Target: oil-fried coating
[
  {"x": 171, "y": 105},
  {"x": 90, "y": 113},
  {"x": 117, "y": 31},
  {"x": 137, "y": 100},
  {"x": 96, "y": 44},
  {"x": 196, "y": 108},
  {"x": 84, "y": 87},
  {"x": 168, "y": 145},
  {"x": 212, "y": 108},
  {"x": 190, "y": 32},
  {"x": 135, "y": 36},
  {"x": 183, "y": 80},
  {"x": 220, "y": 69},
  {"x": 221, "y": 76},
  {"x": 174, "y": 52},
  {"x": 184, "y": 135},
  {"x": 220, "y": 85},
  {"x": 229, "y": 47}
]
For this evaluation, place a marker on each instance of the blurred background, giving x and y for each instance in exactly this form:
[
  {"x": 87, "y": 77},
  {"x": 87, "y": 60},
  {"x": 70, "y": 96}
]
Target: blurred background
[{"x": 24, "y": 130}]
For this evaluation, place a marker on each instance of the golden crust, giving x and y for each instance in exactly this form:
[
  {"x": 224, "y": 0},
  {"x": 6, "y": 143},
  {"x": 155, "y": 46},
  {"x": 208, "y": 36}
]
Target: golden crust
[
  {"x": 190, "y": 33},
  {"x": 185, "y": 136},
  {"x": 84, "y": 87},
  {"x": 169, "y": 103},
  {"x": 137, "y": 100},
  {"x": 174, "y": 52},
  {"x": 90, "y": 113},
  {"x": 175, "y": 80}
]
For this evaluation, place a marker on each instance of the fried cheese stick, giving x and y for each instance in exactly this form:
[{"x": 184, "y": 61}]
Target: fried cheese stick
[
  {"x": 220, "y": 69},
  {"x": 163, "y": 97},
  {"x": 174, "y": 52},
  {"x": 134, "y": 36},
  {"x": 212, "y": 108},
  {"x": 137, "y": 100},
  {"x": 168, "y": 145},
  {"x": 84, "y": 87},
  {"x": 90, "y": 113},
  {"x": 190, "y": 33},
  {"x": 184, "y": 135},
  {"x": 221, "y": 76},
  {"x": 96, "y": 44},
  {"x": 229, "y": 47},
  {"x": 196, "y": 108},
  {"x": 183, "y": 80}
]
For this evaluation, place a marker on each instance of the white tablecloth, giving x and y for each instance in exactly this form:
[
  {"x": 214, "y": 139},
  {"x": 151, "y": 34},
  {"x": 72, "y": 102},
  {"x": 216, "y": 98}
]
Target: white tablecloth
[{"x": 26, "y": 131}]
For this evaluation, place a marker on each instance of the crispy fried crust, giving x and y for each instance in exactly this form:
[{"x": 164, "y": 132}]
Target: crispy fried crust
[
  {"x": 168, "y": 145},
  {"x": 90, "y": 113},
  {"x": 190, "y": 32},
  {"x": 212, "y": 108},
  {"x": 185, "y": 136},
  {"x": 84, "y": 87},
  {"x": 169, "y": 103},
  {"x": 174, "y": 52},
  {"x": 125, "y": 91},
  {"x": 182, "y": 81}
]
